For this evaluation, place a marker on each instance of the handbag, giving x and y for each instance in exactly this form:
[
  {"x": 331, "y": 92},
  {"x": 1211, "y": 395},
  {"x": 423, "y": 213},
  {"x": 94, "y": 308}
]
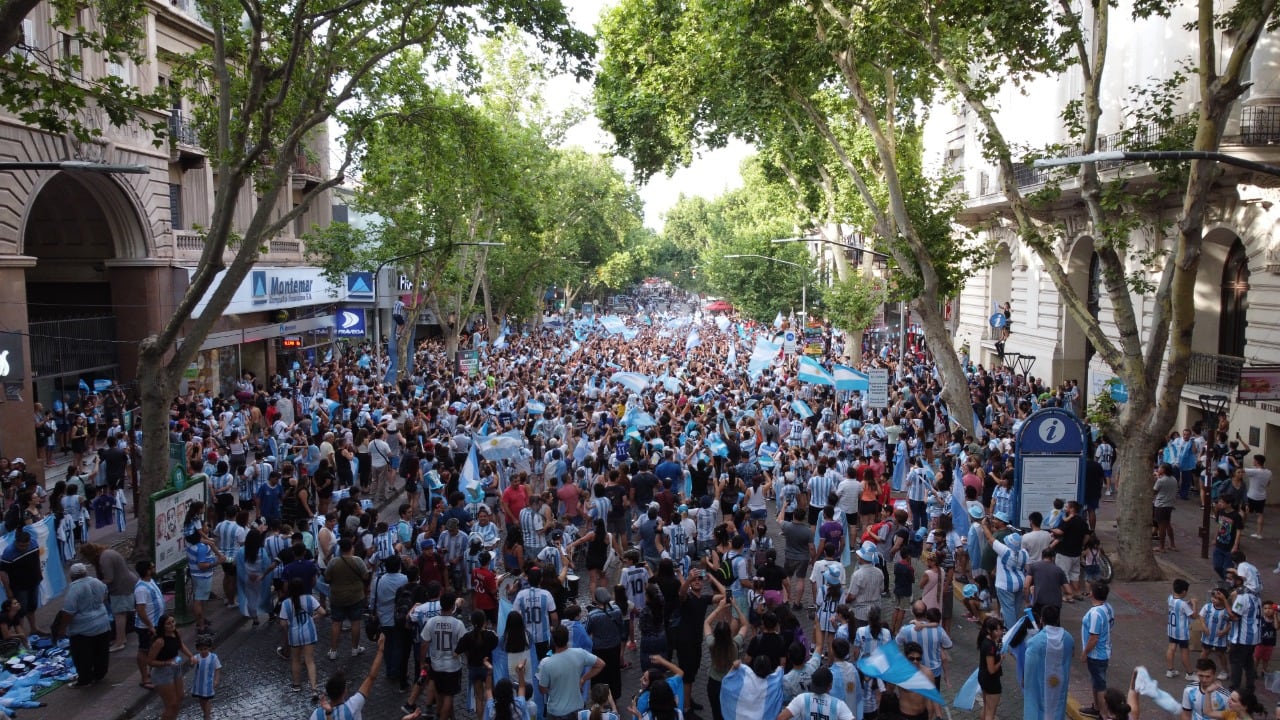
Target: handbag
[{"x": 372, "y": 628}]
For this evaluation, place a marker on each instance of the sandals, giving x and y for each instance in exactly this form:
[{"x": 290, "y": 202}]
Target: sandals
[{"x": 146, "y": 685}]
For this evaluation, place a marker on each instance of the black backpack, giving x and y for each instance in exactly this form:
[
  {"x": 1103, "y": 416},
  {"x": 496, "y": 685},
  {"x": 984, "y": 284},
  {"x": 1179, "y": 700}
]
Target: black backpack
[{"x": 404, "y": 603}]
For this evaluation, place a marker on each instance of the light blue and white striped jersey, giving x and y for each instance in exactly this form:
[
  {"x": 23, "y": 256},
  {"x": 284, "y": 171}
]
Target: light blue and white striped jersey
[
  {"x": 384, "y": 547},
  {"x": 1179, "y": 625},
  {"x": 302, "y": 626},
  {"x": 677, "y": 541},
  {"x": 820, "y": 488},
  {"x": 488, "y": 533},
  {"x": 206, "y": 669},
  {"x": 352, "y": 709},
  {"x": 535, "y": 605},
  {"x": 1196, "y": 701},
  {"x": 1246, "y": 612},
  {"x": 531, "y": 523},
  {"x": 919, "y": 482},
  {"x": 600, "y": 508},
  {"x": 1002, "y": 500},
  {"x": 866, "y": 644},
  {"x": 230, "y": 536},
  {"x": 633, "y": 580},
  {"x": 705, "y": 519},
  {"x": 787, "y": 497},
  {"x": 1217, "y": 622},
  {"x": 551, "y": 559},
  {"x": 147, "y": 593},
  {"x": 1098, "y": 621},
  {"x": 933, "y": 640},
  {"x": 812, "y": 706},
  {"x": 1011, "y": 567},
  {"x": 199, "y": 554},
  {"x": 272, "y": 547}
]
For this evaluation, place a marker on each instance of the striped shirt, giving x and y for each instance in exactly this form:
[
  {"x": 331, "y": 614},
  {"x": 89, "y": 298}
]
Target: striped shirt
[
  {"x": 199, "y": 554},
  {"x": 1245, "y": 614},
  {"x": 1196, "y": 701},
  {"x": 147, "y": 594},
  {"x": 820, "y": 488},
  {"x": 302, "y": 627},
  {"x": 919, "y": 482},
  {"x": 1179, "y": 625},
  {"x": 1098, "y": 621},
  {"x": 677, "y": 541},
  {"x": 1011, "y": 567},
  {"x": 866, "y": 644},
  {"x": 206, "y": 670},
  {"x": 531, "y": 526},
  {"x": 535, "y": 605},
  {"x": 600, "y": 508},
  {"x": 1002, "y": 500},
  {"x": 633, "y": 580},
  {"x": 352, "y": 709},
  {"x": 551, "y": 558},
  {"x": 1217, "y": 621},
  {"x": 272, "y": 546},
  {"x": 933, "y": 640},
  {"x": 384, "y": 546},
  {"x": 230, "y": 536}
]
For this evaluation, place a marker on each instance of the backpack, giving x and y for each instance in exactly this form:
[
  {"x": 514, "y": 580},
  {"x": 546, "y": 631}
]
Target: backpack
[
  {"x": 760, "y": 548},
  {"x": 404, "y": 603},
  {"x": 724, "y": 571}
]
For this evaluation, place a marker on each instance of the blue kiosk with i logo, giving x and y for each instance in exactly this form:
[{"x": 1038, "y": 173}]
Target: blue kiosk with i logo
[{"x": 1052, "y": 449}]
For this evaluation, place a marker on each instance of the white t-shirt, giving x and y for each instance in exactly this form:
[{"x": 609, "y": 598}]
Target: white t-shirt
[
  {"x": 1257, "y": 479},
  {"x": 812, "y": 706}
]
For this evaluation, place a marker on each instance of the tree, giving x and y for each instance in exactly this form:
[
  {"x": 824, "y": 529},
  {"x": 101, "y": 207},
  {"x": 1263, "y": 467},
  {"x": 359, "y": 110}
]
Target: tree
[
  {"x": 785, "y": 76},
  {"x": 274, "y": 75},
  {"x": 852, "y": 303},
  {"x": 979, "y": 47}
]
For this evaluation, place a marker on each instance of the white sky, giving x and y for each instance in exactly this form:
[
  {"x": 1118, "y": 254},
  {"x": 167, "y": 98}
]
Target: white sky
[{"x": 711, "y": 174}]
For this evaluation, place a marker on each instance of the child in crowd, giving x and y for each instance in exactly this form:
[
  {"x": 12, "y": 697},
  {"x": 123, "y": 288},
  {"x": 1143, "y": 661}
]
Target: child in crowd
[
  {"x": 977, "y": 598},
  {"x": 1270, "y": 620},
  {"x": 1178, "y": 628},
  {"x": 1215, "y": 620},
  {"x": 1055, "y": 515},
  {"x": 207, "y": 676}
]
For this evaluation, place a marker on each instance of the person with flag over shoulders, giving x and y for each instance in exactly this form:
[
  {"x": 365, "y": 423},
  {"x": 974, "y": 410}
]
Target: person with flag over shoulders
[{"x": 817, "y": 704}]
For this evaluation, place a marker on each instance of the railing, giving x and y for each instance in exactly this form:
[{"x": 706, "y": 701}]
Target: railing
[
  {"x": 61, "y": 347},
  {"x": 1140, "y": 137},
  {"x": 188, "y": 240},
  {"x": 303, "y": 165},
  {"x": 1260, "y": 125},
  {"x": 1217, "y": 371},
  {"x": 284, "y": 246},
  {"x": 183, "y": 131}
]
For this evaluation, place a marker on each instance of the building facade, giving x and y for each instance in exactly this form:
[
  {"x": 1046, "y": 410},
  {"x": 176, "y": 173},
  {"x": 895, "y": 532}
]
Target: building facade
[
  {"x": 1238, "y": 285},
  {"x": 91, "y": 263}
]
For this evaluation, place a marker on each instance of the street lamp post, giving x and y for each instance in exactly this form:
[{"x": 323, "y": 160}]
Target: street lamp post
[
  {"x": 377, "y": 314},
  {"x": 804, "y": 285}
]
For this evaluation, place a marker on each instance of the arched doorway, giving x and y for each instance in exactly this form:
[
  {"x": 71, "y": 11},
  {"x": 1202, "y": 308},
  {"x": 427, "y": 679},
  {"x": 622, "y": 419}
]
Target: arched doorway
[
  {"x": 76, "y": 227},
  {"x": 1233, "y": 319},
  {"x": 1075, "y": 351}
]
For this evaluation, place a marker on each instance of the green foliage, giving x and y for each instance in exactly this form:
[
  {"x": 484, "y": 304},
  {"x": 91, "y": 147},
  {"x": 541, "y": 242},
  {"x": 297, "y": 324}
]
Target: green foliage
[{"x": 854, "y": 302}]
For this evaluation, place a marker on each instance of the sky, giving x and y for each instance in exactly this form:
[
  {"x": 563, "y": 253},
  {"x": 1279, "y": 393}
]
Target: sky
[{"x": 712, "y": 172}]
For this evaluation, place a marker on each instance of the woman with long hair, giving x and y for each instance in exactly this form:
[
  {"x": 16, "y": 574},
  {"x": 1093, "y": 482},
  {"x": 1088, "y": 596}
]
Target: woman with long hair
[
  {"x": 602, "y": 707},
  {"x": 516, "y": 643},
  {"x": 252, "y": 566},
  {"x": 726, "y": 636},
  {"x": 166, "y": 658},
  {"x": 663, "y": 704},
  {"x": 990, "y": 634},
  {"x": 653, "y": 626},
  {"x": 507, "y": 699},
  {"x": 297, "y": 613},
  {"x": 597, "y": 540}
]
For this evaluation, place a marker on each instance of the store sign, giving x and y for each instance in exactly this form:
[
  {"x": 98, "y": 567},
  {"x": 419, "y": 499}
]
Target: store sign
[
  {"x": 360, "y": 285},
  {"x": 291, "y": 343},
  {"x": 349, "y": 322},
  {"x": 1260, "y": 382},
  {"x": 278, "y": 289},
  {"x": 11, "y": 365}
]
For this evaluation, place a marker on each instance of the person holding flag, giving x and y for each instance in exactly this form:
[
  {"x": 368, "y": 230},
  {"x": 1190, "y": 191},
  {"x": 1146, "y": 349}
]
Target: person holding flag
[{"x": 817, "y": 704}]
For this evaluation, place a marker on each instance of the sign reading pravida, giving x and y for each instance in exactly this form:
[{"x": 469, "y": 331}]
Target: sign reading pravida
[{"x": 279, "y": 288}]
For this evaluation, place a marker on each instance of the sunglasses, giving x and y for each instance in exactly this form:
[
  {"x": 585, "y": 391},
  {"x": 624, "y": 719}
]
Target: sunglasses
[{"x": 914, "y": 658}]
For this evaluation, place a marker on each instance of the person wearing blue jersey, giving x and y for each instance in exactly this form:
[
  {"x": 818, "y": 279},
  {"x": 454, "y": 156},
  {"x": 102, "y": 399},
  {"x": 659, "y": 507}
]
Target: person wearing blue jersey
[
  {"x": 1245, "y": 633},
  {"x": 207, "y": 675},
  {"x": 602, "y": 707},
  {"x": 538, "y": 608},
  {"x": 202, "y": 557},
  {"x": 1178, "y": 628},
  {"x": 337, "y": 705},
  {"x": 1215, "y": 617},
  {"x": 148, "y": 607},
  {"x": 230, "y": 535},
  {"x": 928, "y": 633},
  {"x": 818, "y": 704},
  {"x": 1205, "y": 698},
  {"x": 506, "y": 701},
  {"x": 1095, "y": 629}
]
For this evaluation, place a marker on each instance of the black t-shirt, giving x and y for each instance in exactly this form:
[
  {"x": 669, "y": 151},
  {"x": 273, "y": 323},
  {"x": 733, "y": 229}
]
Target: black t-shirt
[
  {"x": 988, "y": 649},
  {"x": 1229, "y": 523},
  {"x": 1094, "y": 476},
  {"x": 693, "y": 611},
  {"x": 773, "y": 576},
  {"x": 1073, "y": 530},
  {"x": 477, "y": 646},
  {"x": 769, "y": 644},
  {"x": 643, "y": 484}
]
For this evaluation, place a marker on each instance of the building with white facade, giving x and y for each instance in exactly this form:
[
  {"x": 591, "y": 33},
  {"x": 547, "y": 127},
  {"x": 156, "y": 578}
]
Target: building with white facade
[{"x": 1238, "y": 289}]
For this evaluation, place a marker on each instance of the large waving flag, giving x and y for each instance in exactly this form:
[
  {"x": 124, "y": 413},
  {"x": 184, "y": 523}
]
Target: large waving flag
[
  {"x": 812, "y": 372},
  {"x": 694, "y": 339},
  {"x": 746, "y": 696},
  {"x": 499, "y": 447},
  {"x": 889, "y": 664},
  {"x": 732, "y": 358},
  {"x": 613, "y": 324},
  {"x": 469, "y": 478},
  {"x": 968, "y": 695},
  {"x": 959, "y": 514},
  {"x": 1048, "y": 674},
  {"x": 635, "y": 417},
  {"x": 846, "y": 378},
  {"x": 722, "y": 322},
  {"x": 633, "y": 381},
  {"x": 533, "y": 407},
  {"x": 802, "y": 409},
  {"x": 777, "y": 321},
  {"x": 716, "y": 446},
  {"x": 762, "y": 357},
  {"x": 1015, "y": 638}
]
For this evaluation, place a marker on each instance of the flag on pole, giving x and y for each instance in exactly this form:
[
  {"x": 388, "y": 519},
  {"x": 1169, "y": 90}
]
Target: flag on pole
[
  {"x": 813, "y": 373},
  {"x": 777, "y": 322},
  {"x": 888, "y": 664},
  {"x": 694, "y": 340},
  {"x": 469, "y": 479},
  {"x": 846, "y": 378},
  {"x": 802, "y": 409},
  {"x": 762, "y": 357}
]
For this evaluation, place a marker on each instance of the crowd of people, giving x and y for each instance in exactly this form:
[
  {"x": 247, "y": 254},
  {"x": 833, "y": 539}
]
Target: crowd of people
[{"x": 514, "y": 539}]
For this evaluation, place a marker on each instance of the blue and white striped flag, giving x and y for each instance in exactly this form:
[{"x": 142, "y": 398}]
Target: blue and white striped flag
[
  {"x": 469, "y": 478},
  {"x": 802, "y": 409},
  {"x": 777, "y": 321},
  {"x": 533, "y": 407},
  {"x": 889, "y": 664},
  {"x": 635, "y": 382},
  {"x": 762, "y": 357},
  {"x": 813, "y": 373},
  {"x": 746, "y": 696},
  {"x": 716, "y": 446},
  {"x": 846, "y": 378},
  {"x": 694, "y": 340},
  {"x": 122, "y": 518}
]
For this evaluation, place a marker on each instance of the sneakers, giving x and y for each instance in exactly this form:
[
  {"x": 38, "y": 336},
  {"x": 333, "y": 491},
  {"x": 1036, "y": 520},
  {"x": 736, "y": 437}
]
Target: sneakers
[
  {"x": 1255, "y": 536},
  {"x": 333, "y": 654},
  {"x": 116, "y": 648},
  {"x": 280, "y": 653},
  {"x": 1170, "y": 673},
  {"x": 357, "y": 651},
  {"x": 1189, "y": 677}
]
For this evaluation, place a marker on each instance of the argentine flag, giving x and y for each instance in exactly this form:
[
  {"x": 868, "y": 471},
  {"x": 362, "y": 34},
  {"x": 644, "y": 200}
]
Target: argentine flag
[
  {"x": 1048, "y": 674},
  {"x": 499, "y": 447},
  {"x": 533, "y": 407},
  {"x": 813, "y": 373},
  {"x": 732, "y": 358},
  {"x": 635, "y": 382},
  {"x": 801, "y": 408},
  {"x": 889, "y": 664},
  {"x": 847, "y": 379},
  {"x": 762, "y": 357},
  {"x": 716, "y": 446},
  {"x": 469, "y": 478},
  {"x": 694, "y": 340},
  {"x": 747, "y": 696},
  {"x": 777, "y": 322}
]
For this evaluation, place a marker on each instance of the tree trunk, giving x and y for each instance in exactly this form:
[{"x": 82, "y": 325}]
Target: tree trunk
[
  {"x": 450, "y": 343},
  {"x": 1133, "y": 559},
  {"x": 157, "y": 388},
  {"x": 954, "y": 393}
]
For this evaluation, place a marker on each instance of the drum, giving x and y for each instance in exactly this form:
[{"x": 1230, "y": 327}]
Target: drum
[{"x": 572, "y": 582}]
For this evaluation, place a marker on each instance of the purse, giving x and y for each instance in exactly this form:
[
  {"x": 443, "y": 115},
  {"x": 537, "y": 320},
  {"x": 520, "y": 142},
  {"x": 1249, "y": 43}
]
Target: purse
[{"x": 372, "y": 628}]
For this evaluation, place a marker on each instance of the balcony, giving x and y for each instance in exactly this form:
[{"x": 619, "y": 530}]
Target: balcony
[
  {"x": 307, "y": 173},
  {"x": 184, "y": 142},
  {"x": 1142, "y": 137},
  {"x": 188, "y": 240},
  {"x": 1221, "y": 372},
  {"x": 191, "y": 10},
  {"x": 1260, "y": 125},
  {"x": 284, "y": 247}
]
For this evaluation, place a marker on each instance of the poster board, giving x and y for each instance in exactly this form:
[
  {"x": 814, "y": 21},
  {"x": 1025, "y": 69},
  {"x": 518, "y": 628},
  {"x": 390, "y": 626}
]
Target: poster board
[
  {"x": 878, "y": 387},
  {"x": 168, "y": 510},
  {"x": 1052, "y": 449}
]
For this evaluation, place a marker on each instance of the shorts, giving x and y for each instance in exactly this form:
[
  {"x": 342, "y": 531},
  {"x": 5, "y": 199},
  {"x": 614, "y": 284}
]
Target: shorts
[
  {"x": 448, "y": 683},
  {"x": 1091, "y": 503},
  {"x": 1210, "y": 647},
  {"x": 1092, "y": 573},
  {"x": 477, "y": 675},
  {"x": 30, "y": 599},
  {"x": 1098, "y": 674},
  {"x": 165, "y": 675},
  {"x": 145, "y": 637},
  {"x": 201, "y": 588},
  {"x": 350, "y": 613},
  {"x": 121, "y": 604},
  {"x": 1069, "y": 565},
  {"x": 1162, "y": 515},
  {"x": 1256, "y": 506},
  {"x": 868, "y": 507},
  {"x": 210, "y": 697},
  {"x": 990, "y": 686},
  {"x": 229, "y": 569},
  {"x": 1180, "y": 643},
  {"x": 1262, "y": 653},
  {"x": 796, "y": 568}
]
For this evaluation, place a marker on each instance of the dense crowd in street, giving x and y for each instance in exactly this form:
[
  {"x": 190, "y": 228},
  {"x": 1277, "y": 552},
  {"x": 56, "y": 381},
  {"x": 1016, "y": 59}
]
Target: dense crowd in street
[{"x": 594, "y": 497}]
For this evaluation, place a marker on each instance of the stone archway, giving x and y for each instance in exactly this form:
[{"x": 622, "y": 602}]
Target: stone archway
[{"x": 1075, "y": 351}]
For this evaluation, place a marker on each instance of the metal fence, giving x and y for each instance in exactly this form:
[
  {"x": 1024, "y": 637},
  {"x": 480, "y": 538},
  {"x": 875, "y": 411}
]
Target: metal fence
[
  {"x": 61, "y": 347},
  {"x": 1216, "y": 371}
]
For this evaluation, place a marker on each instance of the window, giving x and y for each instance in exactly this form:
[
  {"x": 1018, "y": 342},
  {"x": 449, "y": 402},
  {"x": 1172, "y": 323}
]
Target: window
[
  {"x": 69, "y": 46},
  {"x": 122, "y": 69},
  {"x": 28, "y": 40},
  {"x": 340, "y": 214},
  {"x": 1234, "y": 315},
  {"x": 175, "y": 206}
]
